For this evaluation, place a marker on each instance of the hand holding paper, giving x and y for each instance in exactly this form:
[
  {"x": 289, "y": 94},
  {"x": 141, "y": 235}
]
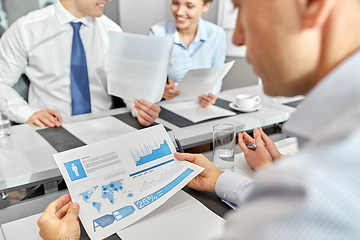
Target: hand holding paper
[
  {"x": 207, "y": 100},
  {"x": 169, "y": 92},
  {"x": 147, "y": 112},
  {"x": 60, "y": 220},
  {"x": 207, "y": 179},
  {"x": 200, "y": 82}
]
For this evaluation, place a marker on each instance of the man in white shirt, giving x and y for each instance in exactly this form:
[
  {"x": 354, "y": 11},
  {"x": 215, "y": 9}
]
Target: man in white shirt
[
  {"x": 40, "y": 45},
  {"x": 297, "y": 47}
]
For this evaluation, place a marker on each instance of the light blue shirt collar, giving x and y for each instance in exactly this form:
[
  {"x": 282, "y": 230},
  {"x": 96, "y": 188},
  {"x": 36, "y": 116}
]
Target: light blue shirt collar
[
  {"x": 66, "y": 17},
  {"x": 201, "y": 34}
]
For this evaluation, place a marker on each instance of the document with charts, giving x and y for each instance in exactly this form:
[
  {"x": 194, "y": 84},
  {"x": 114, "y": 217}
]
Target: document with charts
[{"x": 120, "y": 180}]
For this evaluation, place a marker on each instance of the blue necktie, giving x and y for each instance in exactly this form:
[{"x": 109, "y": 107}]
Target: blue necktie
[{"x": 80, "y": 92}]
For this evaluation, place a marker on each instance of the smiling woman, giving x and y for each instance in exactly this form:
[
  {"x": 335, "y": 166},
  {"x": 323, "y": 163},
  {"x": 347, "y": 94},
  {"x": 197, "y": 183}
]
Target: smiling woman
[
  {"x": 187, "y": 14},
  {"x": 198, "y": 44}
]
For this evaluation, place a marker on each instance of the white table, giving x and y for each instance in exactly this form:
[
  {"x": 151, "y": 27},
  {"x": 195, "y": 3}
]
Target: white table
[
  {"x": 286, "y": 146},
  {"x": 26, "y": 158},
  {"x": 271, "y": 112}
]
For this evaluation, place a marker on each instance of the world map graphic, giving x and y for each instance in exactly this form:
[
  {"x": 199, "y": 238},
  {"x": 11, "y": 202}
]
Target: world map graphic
[{"x": 107, "y": 192}]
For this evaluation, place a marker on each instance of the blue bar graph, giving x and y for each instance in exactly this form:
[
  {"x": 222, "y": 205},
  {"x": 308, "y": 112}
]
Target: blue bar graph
[{"x": 151, "y": 151}]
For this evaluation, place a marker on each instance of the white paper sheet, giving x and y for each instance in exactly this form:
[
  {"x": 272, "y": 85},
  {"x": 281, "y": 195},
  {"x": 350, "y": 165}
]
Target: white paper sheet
[
  {"x": 120, "y": 180},
  {"x": 138, "y": 66},
  {"x": 181, "y": 217},
  {"x": 199, "y": 82},
  {"x": 29, "y": 229},
  {"x": 287, "y": 146},
  {"x": 1, "y": 235},
  {"x": 99, "y": 129},
  {"x": 193, "y": 111}
]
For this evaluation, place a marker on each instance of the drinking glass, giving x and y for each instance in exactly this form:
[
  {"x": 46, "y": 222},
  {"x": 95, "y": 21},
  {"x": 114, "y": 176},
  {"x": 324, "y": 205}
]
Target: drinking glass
[{"x": 224, "y": 146}]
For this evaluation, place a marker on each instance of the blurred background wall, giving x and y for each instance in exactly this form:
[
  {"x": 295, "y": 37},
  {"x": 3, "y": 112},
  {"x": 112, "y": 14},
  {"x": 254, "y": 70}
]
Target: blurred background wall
[{"x": 137, "y": 16}]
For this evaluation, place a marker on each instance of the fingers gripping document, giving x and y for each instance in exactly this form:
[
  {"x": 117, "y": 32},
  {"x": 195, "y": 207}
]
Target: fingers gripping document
[
  {"x": 138, "y": 66},
  {"x": 120, "y": 180}
]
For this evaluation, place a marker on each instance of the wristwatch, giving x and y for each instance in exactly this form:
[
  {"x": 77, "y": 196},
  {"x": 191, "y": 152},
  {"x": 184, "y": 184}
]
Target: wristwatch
[{"x": 66, "y": 239}]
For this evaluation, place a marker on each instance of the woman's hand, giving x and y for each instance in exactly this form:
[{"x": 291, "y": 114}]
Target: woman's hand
[
  {"x": 169, "y": 92},
  {"x": 207, "y": 100}
]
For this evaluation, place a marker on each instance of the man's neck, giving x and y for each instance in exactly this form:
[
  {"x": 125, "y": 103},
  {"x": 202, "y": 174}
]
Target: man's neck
[
  {"x": 341, "y": 37},
  {"x": 70, "y": 6}
]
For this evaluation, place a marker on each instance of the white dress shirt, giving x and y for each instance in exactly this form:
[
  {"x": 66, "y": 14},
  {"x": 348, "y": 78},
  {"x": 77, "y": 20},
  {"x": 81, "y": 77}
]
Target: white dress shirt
[
  {"x": 315, "y": 194},
  {"x": 39, "y": 45}
]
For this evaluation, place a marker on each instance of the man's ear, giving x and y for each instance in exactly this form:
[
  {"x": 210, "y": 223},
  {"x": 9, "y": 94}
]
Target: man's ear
[
  {"x": 206, "y": 7},
  {"x": 315, "y": 12}
]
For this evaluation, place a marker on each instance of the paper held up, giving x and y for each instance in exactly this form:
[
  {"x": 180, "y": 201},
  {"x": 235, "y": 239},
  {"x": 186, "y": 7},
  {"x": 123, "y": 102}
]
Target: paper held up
[
  {"x": 138, "y": 66},
  {"x": 199, "y": 82}
]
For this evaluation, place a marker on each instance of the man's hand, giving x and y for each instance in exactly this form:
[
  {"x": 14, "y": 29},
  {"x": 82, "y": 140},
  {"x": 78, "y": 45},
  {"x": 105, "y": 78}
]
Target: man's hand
[
  {"x": 147, "y": 112},
  {"x": 169, "y": 92},
  {"x": 263, "y": 155},
  {"x": 270, "y": 146},
  {"x": 207, "y": 100},
  {"x": 206, "y": 180},
  {"x": 46, "y": 117},
  {"x": 60, "y": 220}
]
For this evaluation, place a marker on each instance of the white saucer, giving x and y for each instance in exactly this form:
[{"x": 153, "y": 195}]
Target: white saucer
[{"x": 233, "y": 106}]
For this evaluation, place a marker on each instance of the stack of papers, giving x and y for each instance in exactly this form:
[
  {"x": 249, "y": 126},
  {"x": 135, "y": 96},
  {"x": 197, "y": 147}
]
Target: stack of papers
[
  {"x": 193, "y": 111},
  {"x": 98, "y": 129}
]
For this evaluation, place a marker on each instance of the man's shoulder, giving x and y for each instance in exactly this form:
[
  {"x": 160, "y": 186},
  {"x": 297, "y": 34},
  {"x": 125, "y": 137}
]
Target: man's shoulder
[
  {"x": 109, "y": 24},
  {"x": 38, "y": 15}
]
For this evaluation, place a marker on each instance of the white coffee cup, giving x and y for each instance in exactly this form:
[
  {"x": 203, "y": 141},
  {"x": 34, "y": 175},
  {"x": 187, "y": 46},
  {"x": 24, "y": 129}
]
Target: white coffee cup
[{"x": 246, "y": 102}]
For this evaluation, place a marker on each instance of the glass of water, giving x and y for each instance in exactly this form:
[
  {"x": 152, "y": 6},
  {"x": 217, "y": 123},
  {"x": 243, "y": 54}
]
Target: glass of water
[
  {"x": 224, "y": 146},
  {"x": 4, "y": 119}
]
